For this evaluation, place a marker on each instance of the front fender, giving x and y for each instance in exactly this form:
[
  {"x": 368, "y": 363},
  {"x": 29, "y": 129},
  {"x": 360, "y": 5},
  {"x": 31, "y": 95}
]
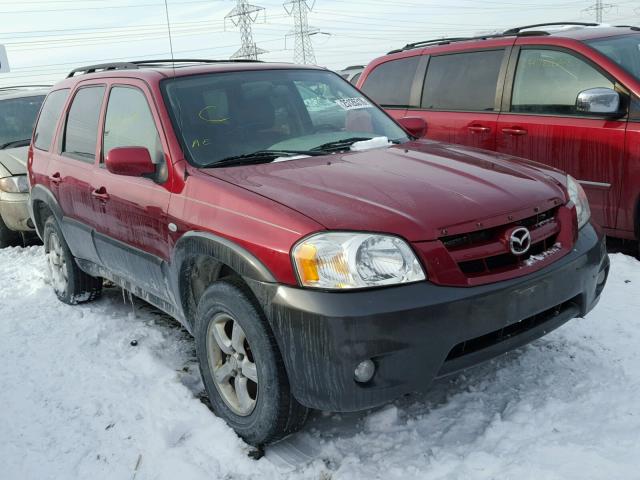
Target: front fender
[{"x": 196, "y": 244}]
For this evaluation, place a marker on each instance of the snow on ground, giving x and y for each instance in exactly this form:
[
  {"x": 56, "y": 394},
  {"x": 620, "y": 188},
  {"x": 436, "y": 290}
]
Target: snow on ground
[{"x": 78, "y": 401}]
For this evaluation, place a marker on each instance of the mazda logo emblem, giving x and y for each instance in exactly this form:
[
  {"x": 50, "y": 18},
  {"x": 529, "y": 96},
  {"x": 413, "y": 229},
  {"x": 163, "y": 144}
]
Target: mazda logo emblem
[{"x": 520, "y": 241}]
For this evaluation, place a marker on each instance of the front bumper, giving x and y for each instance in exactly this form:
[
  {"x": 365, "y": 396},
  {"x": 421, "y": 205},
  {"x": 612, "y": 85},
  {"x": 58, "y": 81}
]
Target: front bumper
[
  {"x": 416, "y": 333},
  {"x": 14, "y": 210}
]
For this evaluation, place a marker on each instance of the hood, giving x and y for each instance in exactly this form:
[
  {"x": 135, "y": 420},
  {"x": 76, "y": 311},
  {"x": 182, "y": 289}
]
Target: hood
[
  {"x": 415, "y": 190},
  {"x": 14, "y": 160}
]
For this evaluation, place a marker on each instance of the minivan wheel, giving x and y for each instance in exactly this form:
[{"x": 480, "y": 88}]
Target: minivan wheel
[
  {"x": 241, "y": 366},
  {"x": 71, "y": 285}
]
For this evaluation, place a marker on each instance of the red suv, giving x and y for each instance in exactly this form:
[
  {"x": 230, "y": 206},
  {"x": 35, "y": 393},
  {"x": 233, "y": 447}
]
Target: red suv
[
  {"x": 319, "y": 254},
  {"x": 568, "y": 97}
]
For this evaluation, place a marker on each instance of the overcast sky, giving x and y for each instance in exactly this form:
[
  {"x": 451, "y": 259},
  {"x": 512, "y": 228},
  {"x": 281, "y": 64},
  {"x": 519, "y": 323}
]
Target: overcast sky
[{"x": 47, "y": 38}]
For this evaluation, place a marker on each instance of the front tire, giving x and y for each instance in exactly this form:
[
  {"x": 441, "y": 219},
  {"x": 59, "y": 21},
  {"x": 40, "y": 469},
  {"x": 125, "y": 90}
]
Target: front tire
[
  {"x": 241, "y": 366},
  {"x": 71, "y": 285}
]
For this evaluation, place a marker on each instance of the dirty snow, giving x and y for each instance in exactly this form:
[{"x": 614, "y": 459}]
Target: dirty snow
[
  {"x": 286, "y": 159},
  {"x": 533, "y": 259},
  {"x": 78, "y": 401}
]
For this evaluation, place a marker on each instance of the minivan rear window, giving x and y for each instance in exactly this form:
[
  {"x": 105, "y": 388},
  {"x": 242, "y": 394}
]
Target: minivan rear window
[
  {"x": 390, "y": 84},
  {"x": 462, "y": 81},
  {"x": 49, "y": 116}
]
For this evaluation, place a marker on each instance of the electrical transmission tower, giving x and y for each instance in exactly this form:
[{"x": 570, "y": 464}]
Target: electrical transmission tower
[
  {"x": 598, "y": 8},
  {"x": 243, "y": 16},
  {"x": 303, "y": 48}
]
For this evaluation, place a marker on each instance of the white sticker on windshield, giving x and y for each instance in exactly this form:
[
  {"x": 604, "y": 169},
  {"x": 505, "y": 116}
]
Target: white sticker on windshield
[{"x": 353, "y": 103}]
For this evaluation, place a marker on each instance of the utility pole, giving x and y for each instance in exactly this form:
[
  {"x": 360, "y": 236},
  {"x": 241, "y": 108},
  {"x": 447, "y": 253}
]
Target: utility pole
[
  {"x": 243, "y": 16},
  {"x": 303, "y": 48},
  {"x": 598, "y": 8}
]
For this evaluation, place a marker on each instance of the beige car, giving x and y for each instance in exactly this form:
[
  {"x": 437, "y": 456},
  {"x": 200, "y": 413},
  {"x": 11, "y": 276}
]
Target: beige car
[{"x": 19, "y": 108}]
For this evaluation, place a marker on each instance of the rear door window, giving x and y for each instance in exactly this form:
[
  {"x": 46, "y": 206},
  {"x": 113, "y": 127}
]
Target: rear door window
[
  {"x": 463, "y": 81},
  {"x": 548, "y": 82},
  {"x": 389, "y": 84},
  {"x": 49, "y": 116},
  {"x": 81, "y": 132}
]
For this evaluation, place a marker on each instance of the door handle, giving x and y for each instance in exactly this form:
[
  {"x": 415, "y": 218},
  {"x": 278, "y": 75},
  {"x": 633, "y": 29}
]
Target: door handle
[
  {"x": 55, "y": 178},
  {"x": 101, "y": 194},
  {"x": 514, "y": 131},
  {"x": 478, "y": 129}
]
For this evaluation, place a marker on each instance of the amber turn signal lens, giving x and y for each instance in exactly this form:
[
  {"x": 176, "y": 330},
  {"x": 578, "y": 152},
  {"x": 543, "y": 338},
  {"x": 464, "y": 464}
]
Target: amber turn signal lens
[{"x": 307, "y": 261}]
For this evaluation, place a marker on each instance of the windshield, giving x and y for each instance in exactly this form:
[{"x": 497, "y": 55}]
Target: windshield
[
  {"x": 17, "y": 116},
  {"x": 625, "y": 51},
  {"x": 222, "y": 116}
]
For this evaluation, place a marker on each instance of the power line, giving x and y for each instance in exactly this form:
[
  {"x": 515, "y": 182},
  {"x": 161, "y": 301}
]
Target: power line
[
  {"x": 109, "y": 7},
  {"x": 243, "y": 16}
]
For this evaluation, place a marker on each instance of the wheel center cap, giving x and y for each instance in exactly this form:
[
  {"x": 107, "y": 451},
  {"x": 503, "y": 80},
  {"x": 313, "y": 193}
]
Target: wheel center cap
[{"x": 234, "y": 361}]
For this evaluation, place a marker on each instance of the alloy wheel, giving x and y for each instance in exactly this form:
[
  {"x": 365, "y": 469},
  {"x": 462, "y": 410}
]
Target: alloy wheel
[
  {"x": 57, "y": 264},
  {"x": 232, "y": 364}
]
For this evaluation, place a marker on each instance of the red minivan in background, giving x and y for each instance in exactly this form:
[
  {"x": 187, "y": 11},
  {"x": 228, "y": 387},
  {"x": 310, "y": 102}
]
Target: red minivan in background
[{"x": 566, "y": 95}]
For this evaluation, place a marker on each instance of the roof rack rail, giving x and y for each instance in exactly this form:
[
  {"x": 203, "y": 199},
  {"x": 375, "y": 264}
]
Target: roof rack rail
[
  {"x": 632, "y": 27},
  {"x": 443, "y": 41},
  {"x": 353, "y": 67},
  {"x": 136, "y": 64},
  {"x": 517, "y": 30},
  {"x": 103, "y": 67},
  {"x": 192, "y": 60}
]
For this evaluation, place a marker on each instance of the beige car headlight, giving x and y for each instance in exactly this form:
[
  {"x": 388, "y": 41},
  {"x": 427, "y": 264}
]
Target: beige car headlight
[
  {"x": 346, "y": 260},
  {"x": 579, "y": 199},
  {"x": 15, "y": 184}
]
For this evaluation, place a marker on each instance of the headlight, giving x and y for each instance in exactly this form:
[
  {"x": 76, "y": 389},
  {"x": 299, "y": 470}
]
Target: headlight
[
  {"x": 579, "y": 199},
  {"x": 342, "y": 260},
  {"x": 17, "y": 184}
]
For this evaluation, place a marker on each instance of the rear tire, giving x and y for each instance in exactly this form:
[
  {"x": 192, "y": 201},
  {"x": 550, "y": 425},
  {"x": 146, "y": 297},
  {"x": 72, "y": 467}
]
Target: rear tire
[
  {"x": 71, "y": 285},
  {"x": 241, "y": 366},
  {"x": 8, "y": 238}
]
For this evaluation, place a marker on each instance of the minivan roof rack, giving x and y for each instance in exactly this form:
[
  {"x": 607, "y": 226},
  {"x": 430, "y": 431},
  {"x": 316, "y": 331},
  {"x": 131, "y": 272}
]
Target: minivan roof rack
[
  {"x": 512, "y": 31},
  {"x": 517, "y": 30},
  {"x": 442, "y": 41},
  {"x": 136, "y": 64},
  {"x": 353, "y": 67}
]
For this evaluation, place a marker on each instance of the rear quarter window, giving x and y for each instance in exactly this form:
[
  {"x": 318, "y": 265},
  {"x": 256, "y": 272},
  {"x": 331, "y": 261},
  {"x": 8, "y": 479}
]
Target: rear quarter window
[
  {"x": 48, "y": 120},
  {"x": 389, "y": 84}
]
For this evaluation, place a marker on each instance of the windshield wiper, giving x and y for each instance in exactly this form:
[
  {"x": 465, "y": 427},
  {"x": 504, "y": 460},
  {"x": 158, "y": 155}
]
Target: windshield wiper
[
  {"x": 340, "y": 144},
  {"x": 261, "y": 156},
  {"x": 15, "y": 143}
]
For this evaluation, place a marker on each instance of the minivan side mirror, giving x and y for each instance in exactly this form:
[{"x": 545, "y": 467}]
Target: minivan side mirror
[
  {"x": 416, "y": 126},
  {"x": 598, "y": 101},
  {"x": 130, "y": 161}
]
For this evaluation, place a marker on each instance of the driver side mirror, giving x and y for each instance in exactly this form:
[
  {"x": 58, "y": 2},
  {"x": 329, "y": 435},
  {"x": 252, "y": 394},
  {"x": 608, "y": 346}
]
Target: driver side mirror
[
  {"x": 598, "y": 101},
  {"x": 416, "y": 126},
  {"x": 130, "y": 161}
]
